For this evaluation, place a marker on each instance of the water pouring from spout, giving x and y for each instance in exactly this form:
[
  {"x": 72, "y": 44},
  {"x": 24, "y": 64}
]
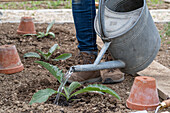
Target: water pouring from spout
[{"x": 63, "y": 82}]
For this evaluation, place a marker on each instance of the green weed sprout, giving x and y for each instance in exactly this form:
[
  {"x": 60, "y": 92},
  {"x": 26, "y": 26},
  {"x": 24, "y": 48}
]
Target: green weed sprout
[
  {"x": 48, "y": 55},
  {"x": 44, "y": 94}
]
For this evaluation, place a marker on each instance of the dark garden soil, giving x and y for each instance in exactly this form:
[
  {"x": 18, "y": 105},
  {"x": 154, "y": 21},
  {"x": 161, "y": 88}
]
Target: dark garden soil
[{"x": 17, "y": 89}]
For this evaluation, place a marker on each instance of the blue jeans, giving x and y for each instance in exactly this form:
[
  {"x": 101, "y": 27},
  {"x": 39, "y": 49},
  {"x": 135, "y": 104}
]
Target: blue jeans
[{"x": 84, "y": 12}]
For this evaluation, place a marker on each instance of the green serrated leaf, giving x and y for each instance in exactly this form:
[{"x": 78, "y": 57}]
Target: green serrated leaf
[
  {"x": 49, "y": 26},
  {"x": 73, "y": 86},
  {"x": 97, "y": 87},
  {"x": 54, "y": 70},
  {"x": 52, "y": 34},
  {"x": 52, "y": 50},
  {"x": 32, "y": 54},
  {"x": 42, "y": 96},
  {"x": 63, "y": 57}
]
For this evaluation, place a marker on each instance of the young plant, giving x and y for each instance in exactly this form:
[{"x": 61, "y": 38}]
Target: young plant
[
  {"x": 42, "y": 34},
  {"x": 43, "y": 95},
  {"x": 48, "y": 55}
]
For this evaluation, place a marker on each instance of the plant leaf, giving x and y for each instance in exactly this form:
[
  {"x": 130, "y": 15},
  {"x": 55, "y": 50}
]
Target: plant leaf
[
  {"x": 52, "y": 50},
  {"x": 49, "y": 26},
  {"x": 67, "y": 93},
  {"x": 41, "y": 34},
  {"x": 52, "y": 34},
  {"x": 97, "y": 92},
  {"x": 30, "y": 34},
  {"x": 47, "y": 55},
  {"x": 73, "y": 86},
  {"x": 46, "y": 34},
  {"x": 42, "y": 96},
  {"x": 63, "y": 57},
  {"x": 54, "y": 70},
  {"x": 97, "y": 87},
  {"x": 32, "y": 54},
  {"x": 43, "y": 54}
]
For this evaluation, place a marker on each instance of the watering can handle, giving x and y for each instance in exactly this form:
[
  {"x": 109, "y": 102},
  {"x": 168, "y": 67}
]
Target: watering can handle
[
  {"x": 97, "y": 65},
  {"x": 102, "y": 52},
  {"x": 101, "y": 18}
]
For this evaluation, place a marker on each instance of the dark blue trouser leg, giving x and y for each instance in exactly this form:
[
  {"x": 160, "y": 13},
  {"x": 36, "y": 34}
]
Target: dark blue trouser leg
[{"x": 84, "y": 12}]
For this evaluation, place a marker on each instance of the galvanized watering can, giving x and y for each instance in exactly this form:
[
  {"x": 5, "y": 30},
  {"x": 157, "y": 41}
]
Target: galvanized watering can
[{"x": 128, "y": 32}]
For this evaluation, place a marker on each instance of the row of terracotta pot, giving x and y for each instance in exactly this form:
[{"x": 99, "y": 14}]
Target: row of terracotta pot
[
  {"x": 143, "y": 96},
  {"x": 9, "y": 59}
]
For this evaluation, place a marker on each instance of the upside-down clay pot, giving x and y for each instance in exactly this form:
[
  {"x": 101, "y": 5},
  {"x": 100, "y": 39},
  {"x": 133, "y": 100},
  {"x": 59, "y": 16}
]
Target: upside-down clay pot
[
  {"x": 26, "y": 26},
  {"x": 143, "y": 95},
  {"x": 9, "y": 60}
]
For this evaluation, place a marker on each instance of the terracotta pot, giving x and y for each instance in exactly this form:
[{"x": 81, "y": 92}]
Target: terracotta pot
[
  {"x": 144, "y": 95},
  {"x": 26, "y": 26},
  {"x": 9, "y": 60}
]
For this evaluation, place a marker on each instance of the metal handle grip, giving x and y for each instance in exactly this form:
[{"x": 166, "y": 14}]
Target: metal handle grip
[{"x": 101, "y": 18}]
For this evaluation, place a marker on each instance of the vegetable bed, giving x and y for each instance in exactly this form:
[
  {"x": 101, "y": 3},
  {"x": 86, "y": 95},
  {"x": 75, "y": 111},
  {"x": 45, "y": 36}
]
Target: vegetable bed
[{"x": 17, "y": 89}]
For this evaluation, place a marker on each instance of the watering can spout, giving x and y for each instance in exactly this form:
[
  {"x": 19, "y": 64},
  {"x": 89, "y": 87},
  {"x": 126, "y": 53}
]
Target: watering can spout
[{"x": 100, "y": 66}]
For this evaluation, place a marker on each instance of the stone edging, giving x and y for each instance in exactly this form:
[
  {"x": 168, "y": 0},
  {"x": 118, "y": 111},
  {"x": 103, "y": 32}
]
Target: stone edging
[{"x": 63, "y": 15}]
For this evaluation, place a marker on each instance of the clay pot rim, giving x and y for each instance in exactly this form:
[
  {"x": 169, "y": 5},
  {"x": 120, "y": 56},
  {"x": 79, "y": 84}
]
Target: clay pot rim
[
  {"x": 27, "y": 19},
  {"x": 146, "y": 78},
  {"x": 23, "y": 32},
  {"x": 6, "y": 46},
  {"x": 135, "y": 106},
  {"x": 12, "y": 70},
  {"x": 141, "y": 105}
]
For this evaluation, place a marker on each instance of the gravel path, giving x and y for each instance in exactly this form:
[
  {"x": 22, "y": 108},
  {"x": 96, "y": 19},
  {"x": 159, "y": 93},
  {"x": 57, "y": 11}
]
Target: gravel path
[{"x": 63, "y": 15}]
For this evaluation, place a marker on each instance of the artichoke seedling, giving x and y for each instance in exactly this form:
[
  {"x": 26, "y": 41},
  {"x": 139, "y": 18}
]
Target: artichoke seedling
[
  {"x": 48, "y": 55},
  {"x": 43, "y": 95},
  {"x": 42, "y": 34}
]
